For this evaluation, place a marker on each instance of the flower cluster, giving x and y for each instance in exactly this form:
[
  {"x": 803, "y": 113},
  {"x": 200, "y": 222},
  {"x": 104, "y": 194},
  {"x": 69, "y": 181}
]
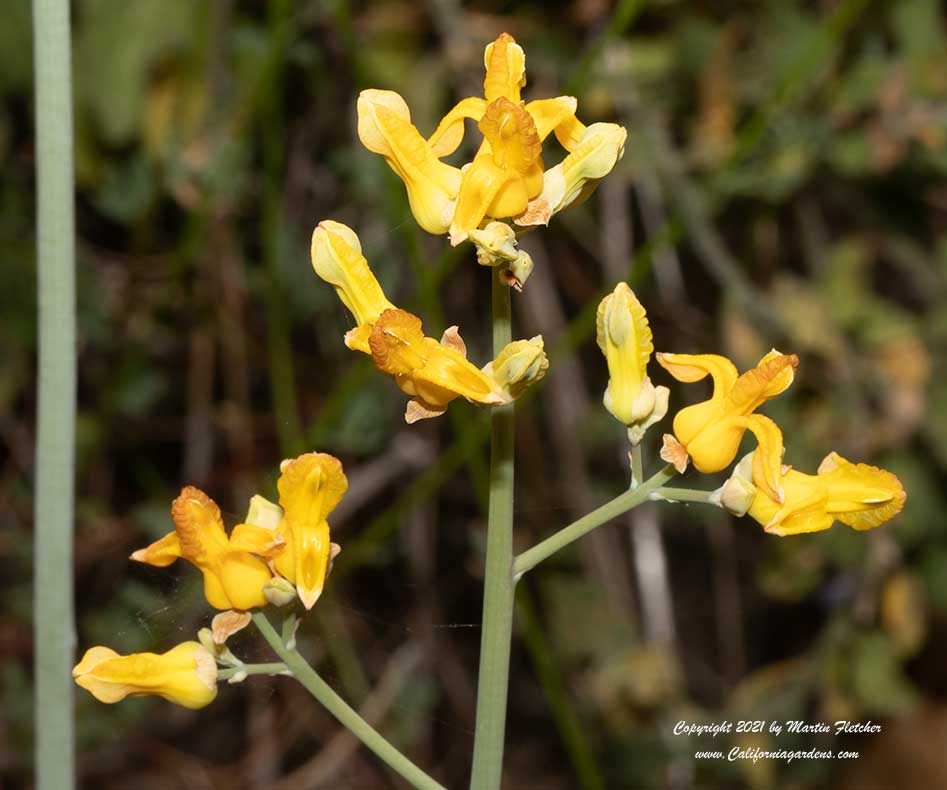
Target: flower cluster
[
  {"x": 507, "y": 178},
  {"x": 279, "y": 553},
  {"x": 283, "y": 552},
  {"x": 708, "y": 434}
]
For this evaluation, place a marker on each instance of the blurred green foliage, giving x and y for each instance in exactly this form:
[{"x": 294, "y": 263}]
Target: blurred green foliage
[{"x": 783, "y": 184}]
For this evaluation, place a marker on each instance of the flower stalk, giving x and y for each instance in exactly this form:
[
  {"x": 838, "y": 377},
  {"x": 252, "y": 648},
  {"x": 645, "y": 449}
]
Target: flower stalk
[
  {"x": 621, "y": 504},
  {"x": 269, "y": 668},
  {"x": 346, "y": 715},
  {"x": 54, "y": 631},
  {"x": 497, "y": 631}
]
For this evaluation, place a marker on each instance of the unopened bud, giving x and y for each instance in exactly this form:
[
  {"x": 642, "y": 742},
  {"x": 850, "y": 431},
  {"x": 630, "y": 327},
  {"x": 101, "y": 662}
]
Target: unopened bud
[
  {"x": 736, "y": 495},
  {"x": 495, "y": 243},
  {"x": 279, "y": 592},
  {"x": 518, "y": 365}
]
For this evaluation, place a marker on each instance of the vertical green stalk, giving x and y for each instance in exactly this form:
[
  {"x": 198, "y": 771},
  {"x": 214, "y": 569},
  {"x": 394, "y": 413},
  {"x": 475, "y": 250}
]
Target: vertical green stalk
[
  {"x": 497, "y": 632},
  {"x": 53, "y": 627}
]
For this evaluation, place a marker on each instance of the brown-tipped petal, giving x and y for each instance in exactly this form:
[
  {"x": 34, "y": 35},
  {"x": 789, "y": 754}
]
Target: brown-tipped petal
[
  {"x": 452, "y": 339},
  {"x": 674, "y": 453},
  {"x": 417, "y": 410},
  {"x": 226, "y": 624}
]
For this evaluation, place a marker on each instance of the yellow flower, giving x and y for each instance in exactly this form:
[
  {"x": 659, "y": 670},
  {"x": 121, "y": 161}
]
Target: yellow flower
[
  {"x": 624, "y": 337},
  {"x": 310, "y": 487},
  {"x": 233, "y": 577},
  {"x": 432, "y": 373},
  {"x": 506, "y": 178},
  {"x": 710, "y": 432},
  {"x": 186, "y": 675},
  {"x": 858, "y": 495},
  {"x": 506, "y": 174}
]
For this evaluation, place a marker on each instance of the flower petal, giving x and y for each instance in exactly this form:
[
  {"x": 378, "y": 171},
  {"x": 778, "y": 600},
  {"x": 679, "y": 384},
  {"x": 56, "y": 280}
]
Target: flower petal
[
  {"x": 311, "y": 546},
  {"x": 505, "y": 63},
  {"x": 768, "y": 457},
  {"x": 758, "y": 385},
  {"x": 860, "y": 495},
  {"x": 199, "y": 525},
  {"x": 573, "y": 180},
  {"x": 161, "y": 553},
  {"x": 450, "y": 131},
  {"x": 551, "y": 114},
  {"x": 310, "y": 487},
  {"x": 693, "y": 367},
  {"x": 384, "y": 127},
  {"x": 254, "y": 539},
  {"x": 337, "y": 258}
]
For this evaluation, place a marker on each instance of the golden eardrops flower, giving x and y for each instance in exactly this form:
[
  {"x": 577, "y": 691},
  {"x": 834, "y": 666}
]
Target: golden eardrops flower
[
  {"x": 858, "y": 495},
  {"x": 431, "y": 373},
  {"x": 624, "y": 337},
  {"x": 506, "y": 178},
  {"x": 186, "y": 675},
  {"x": 310, "y": 487},
  {"x": 710, "y": 432},
  {"x": 233, "y": 576}
]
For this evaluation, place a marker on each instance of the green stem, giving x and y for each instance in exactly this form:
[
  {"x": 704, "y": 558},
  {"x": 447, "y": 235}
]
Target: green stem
[
  {"x": 345, "y": 714},
  {"x": 637, "y": 467},
  {"x": 684, "y": 495},
  {"x": 272, "y": 668},
  {"x": 620, "y": 504},
  {"x": 494, "y": 675},
  {"x": 54, "y": 630}
]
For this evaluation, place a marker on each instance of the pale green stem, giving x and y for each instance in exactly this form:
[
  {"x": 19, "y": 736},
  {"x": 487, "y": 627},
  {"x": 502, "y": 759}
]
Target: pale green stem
[
  {"x": 346, "y": 715},
  {"x": 272, "y": 668},
  {"x": 53, "y": 627},
  {"x": 684, "y": 495},
  {"x": 498, "y": 586},
  {"x": 637, "y": 467},
  {"x": 621, "y": 504}
]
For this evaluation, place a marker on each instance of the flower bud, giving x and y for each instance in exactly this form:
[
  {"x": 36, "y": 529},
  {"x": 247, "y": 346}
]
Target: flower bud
[
  {"x": 495, "y": 243},
  {"x": 279, "y": 591},
  {"x": 625, "y": 339},
  {"x": 518, "y": 365},
  {"x": 736, "y": 495}
]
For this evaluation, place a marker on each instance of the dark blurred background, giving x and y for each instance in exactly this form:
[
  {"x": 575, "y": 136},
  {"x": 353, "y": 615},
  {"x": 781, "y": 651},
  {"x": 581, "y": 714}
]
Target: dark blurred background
[{"x": 783, "y": 185}]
